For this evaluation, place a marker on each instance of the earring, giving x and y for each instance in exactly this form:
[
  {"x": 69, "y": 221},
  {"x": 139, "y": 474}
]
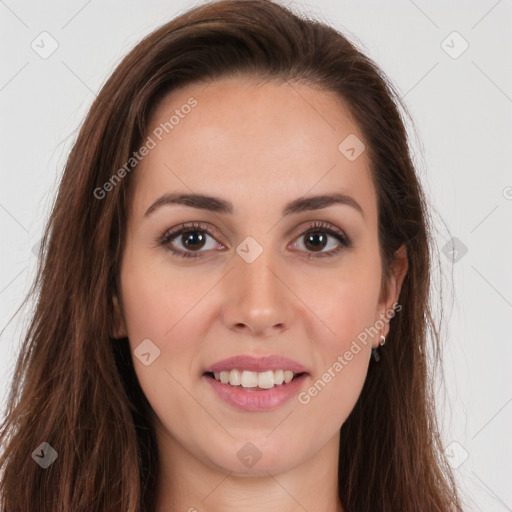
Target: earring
[{"x": 375, "y": 351}]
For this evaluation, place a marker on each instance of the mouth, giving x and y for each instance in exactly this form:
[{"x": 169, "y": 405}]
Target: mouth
[
  {"x": 246, "y": 380},
  {"x": 248, "y": 396},
  {"x": 256, "y": 383}
]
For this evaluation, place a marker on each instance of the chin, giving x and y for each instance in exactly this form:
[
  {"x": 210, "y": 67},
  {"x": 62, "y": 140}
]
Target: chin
[{"x": 259, "y": 457}]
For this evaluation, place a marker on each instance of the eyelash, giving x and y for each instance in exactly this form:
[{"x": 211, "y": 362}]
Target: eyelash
[{"x": 316, "y": 227}]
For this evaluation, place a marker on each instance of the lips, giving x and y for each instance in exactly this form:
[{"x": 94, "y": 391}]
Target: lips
[
  {"x": 256, "y": 364},
  {"x": 248, "y": 395},
  {"x": 254, "y": 399}
]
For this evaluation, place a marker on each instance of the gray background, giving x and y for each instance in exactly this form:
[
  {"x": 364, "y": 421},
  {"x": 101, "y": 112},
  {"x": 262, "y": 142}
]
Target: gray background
[{"x": 461, "y": 103}]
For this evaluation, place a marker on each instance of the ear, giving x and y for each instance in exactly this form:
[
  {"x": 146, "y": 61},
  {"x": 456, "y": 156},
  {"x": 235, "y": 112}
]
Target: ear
[
  {"x": 119, "y": 326},
  {"x": 394, "y": 285}
]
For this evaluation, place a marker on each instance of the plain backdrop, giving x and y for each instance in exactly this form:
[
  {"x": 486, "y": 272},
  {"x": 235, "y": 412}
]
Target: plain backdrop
[{"x": 451, "y": 64}]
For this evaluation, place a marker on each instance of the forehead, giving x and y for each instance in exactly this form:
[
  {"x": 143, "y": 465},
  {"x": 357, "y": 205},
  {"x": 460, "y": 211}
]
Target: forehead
[{"x": 253, "y": 143}]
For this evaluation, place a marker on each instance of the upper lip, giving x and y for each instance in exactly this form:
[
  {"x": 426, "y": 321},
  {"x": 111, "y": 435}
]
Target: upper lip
[{"x": 256, "y": 364}]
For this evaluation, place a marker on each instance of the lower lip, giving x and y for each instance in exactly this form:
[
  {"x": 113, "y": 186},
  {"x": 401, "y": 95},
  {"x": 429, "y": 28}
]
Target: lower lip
[{"x": 257, "y": 400}]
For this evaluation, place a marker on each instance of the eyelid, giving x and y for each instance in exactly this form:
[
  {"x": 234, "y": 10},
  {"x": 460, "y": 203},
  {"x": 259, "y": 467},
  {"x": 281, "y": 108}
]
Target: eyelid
[
  {"x": 333, "y": 231},
  {"x": 321, "y": 224},
  {"x": 186, "y": 227}
]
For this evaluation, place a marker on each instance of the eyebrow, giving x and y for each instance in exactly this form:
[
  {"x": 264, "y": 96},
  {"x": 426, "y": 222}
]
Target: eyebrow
[{"x": 218, "y": 205}]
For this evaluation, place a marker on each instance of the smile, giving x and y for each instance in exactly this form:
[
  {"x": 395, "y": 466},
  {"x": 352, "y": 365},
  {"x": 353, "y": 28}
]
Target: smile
[
  {"x": 253, "y": 397},
  {"x": 260, "y": 380}
]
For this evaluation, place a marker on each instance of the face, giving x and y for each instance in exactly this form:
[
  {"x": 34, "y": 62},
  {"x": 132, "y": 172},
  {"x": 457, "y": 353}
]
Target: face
[{"x": 261, "y": 271}]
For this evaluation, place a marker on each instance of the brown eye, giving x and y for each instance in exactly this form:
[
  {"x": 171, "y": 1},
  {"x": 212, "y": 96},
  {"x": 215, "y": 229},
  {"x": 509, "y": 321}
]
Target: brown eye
[
  {"x": 193, "y": 240},
  {"x": 321, "y": 236},
  {"x": 315, "y": 241},
  {"x": 188, "y": 240}
]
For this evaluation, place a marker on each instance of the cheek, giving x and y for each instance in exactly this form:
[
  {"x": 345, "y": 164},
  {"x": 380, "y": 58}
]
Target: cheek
[
  {"x": 347, "y": 303},
  {"x": 155, "y": 296},
  {"x": 158, "y": 306},
  {"x": 155, "y": 309},
  {"x": 347, "y": 307},
  {"x": 342, "y": 353}
]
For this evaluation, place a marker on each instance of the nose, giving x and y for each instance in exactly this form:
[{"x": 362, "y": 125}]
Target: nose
[{"x": 257, "y": 299}]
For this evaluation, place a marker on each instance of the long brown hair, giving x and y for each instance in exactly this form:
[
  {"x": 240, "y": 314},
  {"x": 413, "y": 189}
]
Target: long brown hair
[{"x": 75, "y": 387}]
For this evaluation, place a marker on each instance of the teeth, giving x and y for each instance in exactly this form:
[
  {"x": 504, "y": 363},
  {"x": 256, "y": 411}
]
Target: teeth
[
  {"x": 235, "y": 379},
  {"x": 266, "y": 380},
  {"x": 247, "y": 379}
]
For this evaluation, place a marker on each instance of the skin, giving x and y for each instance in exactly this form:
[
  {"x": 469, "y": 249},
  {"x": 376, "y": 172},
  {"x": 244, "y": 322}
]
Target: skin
[{"x": 258, "y": 146}]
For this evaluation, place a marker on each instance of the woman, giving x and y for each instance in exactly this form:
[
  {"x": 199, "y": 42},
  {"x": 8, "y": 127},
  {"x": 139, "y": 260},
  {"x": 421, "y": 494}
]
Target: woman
[{"x": 233, "y": 302}]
